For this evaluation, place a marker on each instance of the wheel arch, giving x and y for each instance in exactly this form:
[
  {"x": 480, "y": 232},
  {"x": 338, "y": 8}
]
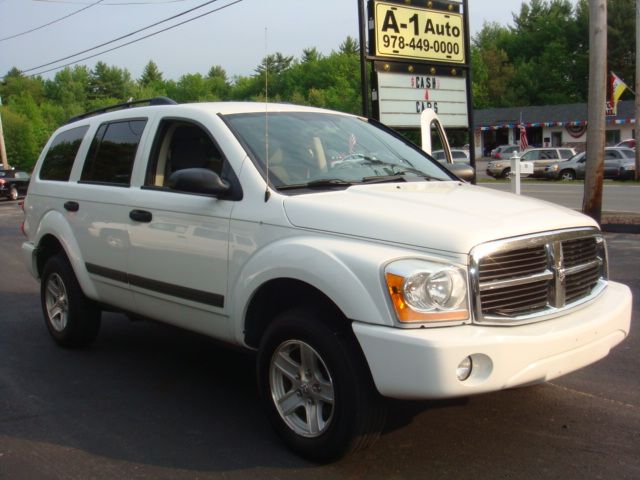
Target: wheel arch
[{"x": 280, "y": 294}]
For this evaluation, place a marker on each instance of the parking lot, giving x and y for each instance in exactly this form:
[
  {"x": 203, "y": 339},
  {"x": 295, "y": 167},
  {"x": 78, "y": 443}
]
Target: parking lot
[{"x": 151, "y": 401}]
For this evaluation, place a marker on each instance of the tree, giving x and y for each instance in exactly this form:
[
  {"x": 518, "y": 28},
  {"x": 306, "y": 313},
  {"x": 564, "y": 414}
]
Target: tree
[
  {"x": 275, "y": 63},
  {"x": 15, "y": 84},
  {"x": 621, "y": 51},
  {"x": 310, "y": 55},
  {"x": 350, "y": 46},
  {"x": 107, "y": 82},
  {"x": 218, "y": 82},
  {"x": 70, "y": 86},
  {"x": 150, "y": 75}
]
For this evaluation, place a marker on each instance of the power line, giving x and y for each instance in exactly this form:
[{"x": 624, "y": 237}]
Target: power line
[
  {"x": 137, "y": 39},
  {"x": 51, "y": 23},
  {"x": 119, "y": 38},
  {"x": 112, "y": 3}
]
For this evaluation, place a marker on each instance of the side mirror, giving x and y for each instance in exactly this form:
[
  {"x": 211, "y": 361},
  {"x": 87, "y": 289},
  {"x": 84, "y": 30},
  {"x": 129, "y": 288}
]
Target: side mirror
[
  {"x": 198, "y": 180},
  {"x": 463, "y": 171}
]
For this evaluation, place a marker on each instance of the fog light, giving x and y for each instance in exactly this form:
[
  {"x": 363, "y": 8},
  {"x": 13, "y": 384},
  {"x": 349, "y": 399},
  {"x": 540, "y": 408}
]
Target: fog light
[{"x": 464, "y": 369}]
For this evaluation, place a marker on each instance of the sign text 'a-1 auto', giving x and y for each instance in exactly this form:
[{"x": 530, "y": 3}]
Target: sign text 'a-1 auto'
[{"x": 419, "y": 33}]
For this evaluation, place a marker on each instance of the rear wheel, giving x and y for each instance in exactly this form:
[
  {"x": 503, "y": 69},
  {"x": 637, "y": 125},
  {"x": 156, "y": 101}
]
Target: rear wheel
[
  {"x": 72, "y": 319},
  {"x": 316, "y": 387},
  {"x": 567, "y": 175}
]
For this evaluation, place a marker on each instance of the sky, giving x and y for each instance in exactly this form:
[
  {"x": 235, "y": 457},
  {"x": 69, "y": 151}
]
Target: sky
[{"x": 236, "y": 37}]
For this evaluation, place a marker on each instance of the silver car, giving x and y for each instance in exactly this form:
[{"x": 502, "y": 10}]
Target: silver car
[
  {"x": 574, "y": 168},
  {"x": 540, "y": 157}
]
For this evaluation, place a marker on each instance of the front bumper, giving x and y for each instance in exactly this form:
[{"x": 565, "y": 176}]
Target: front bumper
[{"x": 422, "y": 363}]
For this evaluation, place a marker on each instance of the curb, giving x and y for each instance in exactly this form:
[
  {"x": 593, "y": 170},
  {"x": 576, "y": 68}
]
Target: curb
[{"x": 620, "y": 222}]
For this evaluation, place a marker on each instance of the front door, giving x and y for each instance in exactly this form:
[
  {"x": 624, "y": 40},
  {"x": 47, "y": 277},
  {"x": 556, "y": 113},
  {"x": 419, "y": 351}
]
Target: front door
[{"x": 179, "y": 241}]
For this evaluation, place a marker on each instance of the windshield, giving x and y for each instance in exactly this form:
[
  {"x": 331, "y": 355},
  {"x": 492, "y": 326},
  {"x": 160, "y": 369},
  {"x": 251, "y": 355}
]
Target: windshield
[{"x": 313, "y": 149}]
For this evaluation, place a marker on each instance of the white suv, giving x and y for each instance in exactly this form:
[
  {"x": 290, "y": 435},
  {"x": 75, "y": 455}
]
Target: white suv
[{"x": 354, "y": 264}]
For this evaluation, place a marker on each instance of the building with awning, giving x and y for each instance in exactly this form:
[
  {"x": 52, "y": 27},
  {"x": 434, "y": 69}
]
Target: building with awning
[{"x": 547, "y": 126}]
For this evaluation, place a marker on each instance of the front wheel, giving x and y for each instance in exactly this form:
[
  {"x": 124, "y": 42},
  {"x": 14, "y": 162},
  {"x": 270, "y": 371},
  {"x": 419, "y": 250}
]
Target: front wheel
[
  {"x": 505, "y": 173},
  {"x": 72, "y": 319},
  {"x": 316, "y": 387},
  {"x": 567, "y": 175}
]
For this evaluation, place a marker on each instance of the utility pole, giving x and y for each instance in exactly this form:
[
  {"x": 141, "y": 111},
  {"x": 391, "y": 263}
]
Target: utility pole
[
  {"x": 637, "y": 124},
  {"x": 594, "y": 173},
  {"x": 3, "y": 150}
]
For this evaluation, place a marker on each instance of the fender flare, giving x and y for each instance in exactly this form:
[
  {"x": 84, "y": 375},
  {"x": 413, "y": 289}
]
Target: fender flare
[
  {"x": 55, "y": 224},
  {"x": 315, "y": 261}
]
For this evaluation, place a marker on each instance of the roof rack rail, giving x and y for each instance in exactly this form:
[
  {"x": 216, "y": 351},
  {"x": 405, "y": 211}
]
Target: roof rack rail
[{"x": 121, "y": 106}]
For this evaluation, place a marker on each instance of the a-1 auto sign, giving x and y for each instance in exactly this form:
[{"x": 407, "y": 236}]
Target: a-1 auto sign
[
  {"x": 403, "y": 97},
  {"x": 425, "y": 34}
]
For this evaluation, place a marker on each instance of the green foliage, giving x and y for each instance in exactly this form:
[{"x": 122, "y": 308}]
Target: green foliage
[
  {"x": 544, "y": 57},
  {"x": 20, "y": 139}
]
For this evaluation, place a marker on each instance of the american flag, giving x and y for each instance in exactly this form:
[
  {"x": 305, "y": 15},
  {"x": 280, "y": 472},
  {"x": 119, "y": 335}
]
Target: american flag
[{"x": 523, "y": 138}]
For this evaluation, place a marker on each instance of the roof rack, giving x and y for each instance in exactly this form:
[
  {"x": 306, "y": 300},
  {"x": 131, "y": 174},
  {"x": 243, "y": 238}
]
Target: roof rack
[{"x": 121, "y": 106}]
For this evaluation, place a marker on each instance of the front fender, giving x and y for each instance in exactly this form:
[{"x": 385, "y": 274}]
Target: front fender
[
  {"x": 347, "y": 271},
  {"x": 55, "y": 224}
]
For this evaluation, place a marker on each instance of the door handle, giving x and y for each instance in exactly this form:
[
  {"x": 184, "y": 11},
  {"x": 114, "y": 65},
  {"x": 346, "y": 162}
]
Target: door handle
[
  {"x": 140, "y": 216},
  {"x": 71, "y": 206}
]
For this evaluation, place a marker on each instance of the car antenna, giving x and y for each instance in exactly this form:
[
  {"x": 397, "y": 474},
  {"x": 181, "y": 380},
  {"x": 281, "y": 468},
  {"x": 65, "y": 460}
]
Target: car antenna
[{"x": 267, "y": 193}]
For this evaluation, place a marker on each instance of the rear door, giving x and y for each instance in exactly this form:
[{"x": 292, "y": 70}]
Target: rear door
[{"x": 96, "y": 207}]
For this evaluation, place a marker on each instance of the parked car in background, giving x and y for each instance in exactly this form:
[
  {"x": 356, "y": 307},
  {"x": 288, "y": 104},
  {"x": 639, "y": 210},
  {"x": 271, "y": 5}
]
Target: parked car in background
[
  {"x": 13, "y": 183},
  {"x": 628, "y": 169},
  {"x": 504, "y": 151},
  {"x": 461, "y": 163},
  {"x": 457, "y": 155},
  {"x": 540, "y": 157},
  {"x": 574, "y": 168},
  {"x": 630, "y": 143}
]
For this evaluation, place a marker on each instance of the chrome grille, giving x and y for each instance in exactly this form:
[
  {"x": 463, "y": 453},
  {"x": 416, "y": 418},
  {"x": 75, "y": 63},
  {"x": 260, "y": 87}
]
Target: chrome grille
[{"x": 531, "y": 278}]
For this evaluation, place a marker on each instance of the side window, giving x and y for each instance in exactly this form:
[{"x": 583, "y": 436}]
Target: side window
[
  {"x": 179, "y": 145},
  {"x": 608, "y": 154},
  {"x": 58, "y": 162},
  {"x": 548, "y": 154},
  {"x": 112, "y": 152}
]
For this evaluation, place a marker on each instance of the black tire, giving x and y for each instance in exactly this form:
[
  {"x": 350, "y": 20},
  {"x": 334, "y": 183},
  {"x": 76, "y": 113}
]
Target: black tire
[
  {"x": 505, "y": 173},
  {"x": 72, "y": 319},
  {"x": 357, "y": 413},
  {"x": 567, "y": 175},
  {"x": 13, "y": 193}
]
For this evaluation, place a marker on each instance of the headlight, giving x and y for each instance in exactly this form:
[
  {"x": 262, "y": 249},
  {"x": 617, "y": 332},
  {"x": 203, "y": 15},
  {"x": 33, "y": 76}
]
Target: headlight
[{"x": 427, "y": 292}]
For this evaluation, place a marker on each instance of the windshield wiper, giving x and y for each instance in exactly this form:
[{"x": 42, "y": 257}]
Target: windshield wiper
[
  {"x": 399, "y": 176},
  {"x": 320, "y": 183}
]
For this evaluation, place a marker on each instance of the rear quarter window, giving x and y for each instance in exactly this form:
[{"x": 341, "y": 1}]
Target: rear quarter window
[
  {"x": 59, "y": 159},
  {"x": 112, "y": 152}
]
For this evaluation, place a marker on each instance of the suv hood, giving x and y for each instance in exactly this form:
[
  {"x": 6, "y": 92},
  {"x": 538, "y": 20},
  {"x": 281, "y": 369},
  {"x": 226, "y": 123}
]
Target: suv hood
[{"x": 447, "y": 216}]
